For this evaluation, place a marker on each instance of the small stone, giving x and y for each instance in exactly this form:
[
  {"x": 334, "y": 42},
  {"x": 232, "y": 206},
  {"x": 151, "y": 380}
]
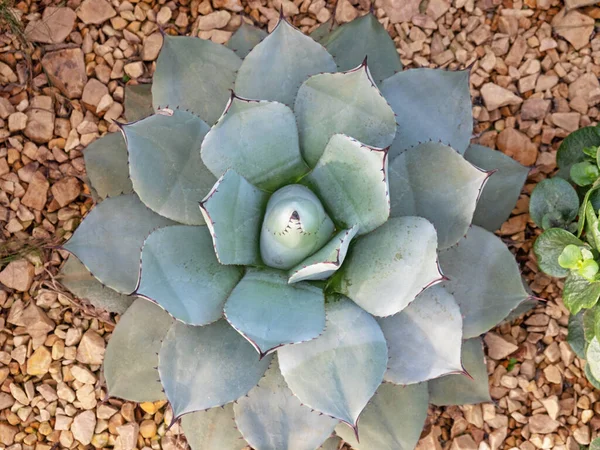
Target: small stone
[
  {"x": 66, "y": 70},
  {"x": 535, "y": 109},
  {"x": 105, "y": 412},
  {"x": 164, "y": 15},
  {"x": 582, "y": 435},
  {"x": 495, "y": 96},
  {"x": 518, "y": 146},
  {"x": 93, "y": 92},
  {"x": 587, "y": 415},
  {"x": 553, "y": 375},
  {"x": 134, "y": 69},
  {"x": 464, "y": 442},
  {"x": 54, "y": 27},
  {"x": 575, "y": 27},
  {"x": 498, "y": 347},
  {"x": 542, "y": 424},
  {"x": 17, "y": 121},
  {"x": 401, "y": 10},
  {"x": 345, "y": 12},
  {"x": 7, "y": 433},
  {"x": 568, "y": 120},
  {"x": 91, "y": 348},
  {"x": 6, "y": 108},
  {"x": 128, "y": 435},
  {"x": 546, "y": 82},
  {"x": 18, "y": 275},
  {"x": 214, "y": 20},
  {"x": 148, "y": 429},
  {"x": 37, "y": 192},
  {"x": 18, "y": 394},
  {"x": 152, "y": 46},
  {"x": 39, "y": 362},
  {"x": 63, "y": 422},
  {"x": 83, "y": 375},
  {"x": 231, "y": 5},
  {"x": 66, "y": 190},
  {"x": 552, "y": 406},
  {"x": 95, "y": 12},
  {"x": 83, "y": 427},
  {"x": 40, "y": 119},
  {"x": 583, "y": 87},
  {"x": 7, "y": 75}
]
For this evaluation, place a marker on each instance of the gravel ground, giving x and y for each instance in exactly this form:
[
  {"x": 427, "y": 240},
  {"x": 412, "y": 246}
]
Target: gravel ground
[{"x": 534, "y": 79}]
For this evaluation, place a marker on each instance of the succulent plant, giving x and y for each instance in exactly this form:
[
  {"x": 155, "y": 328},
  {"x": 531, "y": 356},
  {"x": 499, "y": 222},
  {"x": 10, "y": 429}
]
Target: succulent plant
[
  {"x": 567, "y": 207},
  {"x": 298, "y": 253}
]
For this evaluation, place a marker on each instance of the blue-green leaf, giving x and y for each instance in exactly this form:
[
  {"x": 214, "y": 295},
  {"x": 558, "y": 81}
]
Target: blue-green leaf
[
  {"x": 393, "y": 419},
  {"x": 194, "y": 74},
  {"x": 212, "y": 429},
  {"x": 386, "y": 269},
  {"x": 181, "y": 273},
  {"x": 364, "y": 38},
  {"x": 271, "y": 418},
  {"x": 204, "y": 367},
  {"x": 571, "y": 148},
  {"x": 245, "y": 38},
  {"x": 165, "y": 164},
  {"x": 430, "y": 105},
  {"x": 549, "y": 246},
  {"x": 348, "y": 103},
  {"x": 333, "y": 443},
  {"x": 577, "y": 336},
  {"x": 275, "y": 68},
  {"x": 271, "y": 313},
  {"x": 350, "y": 178},
  {"x": 257, "y": 139},
  {"x": 484, "y": 279},
  {"x": 424, "y": 339},
  {"x": 109, "y": 241},
  {"x": 138, "y": 101},
  {"x": 501, "y": 191},
  {"x": 554, "y": 203},
  {"x": 340, "y": 371}
]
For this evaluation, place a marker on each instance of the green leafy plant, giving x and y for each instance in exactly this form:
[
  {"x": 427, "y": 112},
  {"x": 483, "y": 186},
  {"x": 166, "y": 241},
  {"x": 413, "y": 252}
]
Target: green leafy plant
[
  {"x": 307, "y": 251},
  {"x": 566, "y": 207}
]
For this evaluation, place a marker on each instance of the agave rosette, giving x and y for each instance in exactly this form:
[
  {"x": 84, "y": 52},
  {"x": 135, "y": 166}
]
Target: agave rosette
[{"x": 317, "y": 246}]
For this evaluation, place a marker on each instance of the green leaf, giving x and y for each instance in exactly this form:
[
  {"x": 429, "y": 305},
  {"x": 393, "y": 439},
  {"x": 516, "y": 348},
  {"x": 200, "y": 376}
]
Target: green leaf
[
  {"x": 588, "y": 270},
  {"x": 340, "y": 371},
  {"x": 582, "y": 209},
  {"x": 592, "y": 356},
  {"x": 138, "y": 101},
  {"x": 592, "y": 230},
  {"x": 109, "y": 240},
  {"x": 554, "y": 197},
  {"x": 588, "y": 374},
  {"x": 386, "y": 269},
  {"x": 275, "y": 68},
  {"x": 165, "y": 164},
  {"x": 584, "y": 173},
  {"x": 212, "y": 429},
  {"x": 570, "y": 256},
  {"x": 245, "y": 38},
  {"x": 350, "y": 178},
  {"x": 460, "y": 389},
  {"x": 233, "y": 211},
  {"x": 271, "y": 313},
  {"x": 295, "y": 226},
  {"x": 595, "y": 445},
  {"x": 270, "y": 417},
  {"x": 186, "y": 76},
  {"x": 428, "y": 334},
  {"x": 326, "y": 261},
  {"x": 430, "y": 105},
  {"x": 106, "y": 166},
  {"x": 204, "y": 367},
  {"x": 482, "y": 257},
  {"x": 364, "y": 38},
  {"x": 348, "y": 103},
  {"x": 393, "y": 419},
  {"x": 257, "y": 139},
  {"x": 131, "y": 354},
  {"x": 580, "y": 293},
  {"x": 501, "y": 191},
  {"x": 548, "y": 247},
  {"x": 571, "y": 148},
  {"x": 181, "y": 273},
  {"x": 433, "y": 181},
  {"x": 576, "y": 336},
  {"x": 76, "y": 278}
]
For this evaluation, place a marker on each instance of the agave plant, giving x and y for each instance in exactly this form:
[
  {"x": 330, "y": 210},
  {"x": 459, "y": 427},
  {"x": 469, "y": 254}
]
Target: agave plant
[{"x": 298, "y": 253}]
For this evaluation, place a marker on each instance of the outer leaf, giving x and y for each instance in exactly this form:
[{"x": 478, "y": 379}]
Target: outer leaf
[
  {"x": 593, "y": 357},
  {"x": 579, "y": 293},
  {"x": 548, "y": 247},
  {"x": 592, "y": 231},
  {"x": 109, "y": 241},
  {"x": 245, "y": 38},
  {"x": 595, "y": 444},
  {"x": 360, "y": 38},
  {"x": 347, "y": 103},
  {"x": 386, "y": 269},
  {"x": 223, "y": 368},
  {"x": 326, "y": 261},
  {"x": 322, "y": 31},
  {"x": 181, "y": 273},
  {"x": 338, "y": 373},
  {"x": 106, "y": 166},
  {"x": 271, "y": 418},
  {"x": 186, "y": 76},
  {"x": 259, "y": 140},
  {"x": 271, "y": 313},
  {"x": 460, "y": 389},
  {"x": 588, "y": 374},
  {"x": 76, "y": 278},
  {"x": 392, "y": 420},
  {"x": 502, "y": 189},
  {"x": 233, "y": 211},
  {"x": 434, "y": 181},
  {"x": 424, "y": 339},
  {"x": 138, "y": 101},
  {"x": 571, "y": 149},
  {"x": 165, "y": 165},
  {"x": 554, "y": 203},
  {"x": 131, "y": 355},
  {"x": 333, "y": 443},
  {"x": 483, "y": 257},
  {"x": 212, "y": 429},
  {"x": 275, "y": 68},
  {"x": 430, "y": 105},
  {"x": 576, "y": 337},
  {"x": 351, "y": 180}
]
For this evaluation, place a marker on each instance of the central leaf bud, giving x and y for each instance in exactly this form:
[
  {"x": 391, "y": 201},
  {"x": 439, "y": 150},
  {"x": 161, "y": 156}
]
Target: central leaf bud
[{"x": 295, "y": 226}]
